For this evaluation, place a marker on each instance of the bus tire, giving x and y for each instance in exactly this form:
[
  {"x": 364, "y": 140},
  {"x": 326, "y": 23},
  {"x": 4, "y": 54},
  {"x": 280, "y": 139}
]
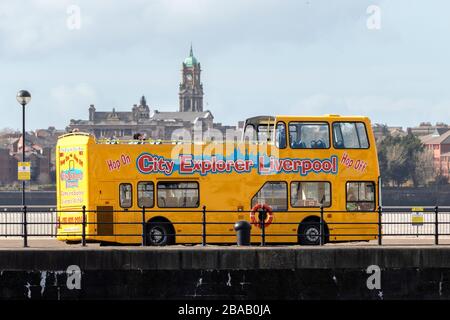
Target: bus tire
[
  {"x": 160, "y": 234},
  {"x": 309, "y": 232}
]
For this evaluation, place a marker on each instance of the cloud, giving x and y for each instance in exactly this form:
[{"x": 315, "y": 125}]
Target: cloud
[
  {"x": 380, "y": 109},
  {"x": 35, "y": 29},
  {"x": 258, "y": 57},
  {"x": 42, "y": 28},
  {"x": 72, "y": 100},
  {"x": 320, "y": 104}
]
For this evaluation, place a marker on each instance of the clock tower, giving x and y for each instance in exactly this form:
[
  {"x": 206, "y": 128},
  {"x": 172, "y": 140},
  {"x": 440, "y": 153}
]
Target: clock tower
[{"x": 191, "y": 87}]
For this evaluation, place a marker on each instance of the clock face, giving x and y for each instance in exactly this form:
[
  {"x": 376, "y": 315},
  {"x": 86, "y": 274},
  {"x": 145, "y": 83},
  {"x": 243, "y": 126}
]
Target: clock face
[{"x": 189, "y": 77}]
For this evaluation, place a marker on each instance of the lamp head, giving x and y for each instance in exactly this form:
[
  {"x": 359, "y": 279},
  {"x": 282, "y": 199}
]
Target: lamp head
[{"x": 23, "y": 97}]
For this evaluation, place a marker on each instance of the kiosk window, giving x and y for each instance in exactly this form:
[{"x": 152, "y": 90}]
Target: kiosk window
[
  {"x": 125, "y": 195},
  {"x": 178, "y": 195},
  {"x": 145, "y": 194},
  {"x": 310, "y": 194},
  {"x": 274, "y": 194},
  {"x": 360, "y": 196}
]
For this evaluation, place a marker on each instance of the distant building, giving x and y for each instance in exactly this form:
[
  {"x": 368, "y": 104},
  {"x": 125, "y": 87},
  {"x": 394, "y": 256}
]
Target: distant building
[
  {"x": 381, "y": 130},
  {"x": 40, "y": 157},
  {"x": 423, "y": 129},
  {"x": 39, "y": 151},
  {"x": 439, "y": 143},
  {"x": 154, "y": 123},
  {"x": 8, "y": 167},
  {"x": 426, "y": 128}
]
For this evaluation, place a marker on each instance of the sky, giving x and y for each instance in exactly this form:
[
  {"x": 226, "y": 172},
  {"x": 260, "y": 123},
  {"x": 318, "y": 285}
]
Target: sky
[{"x": 386, "y": 59}]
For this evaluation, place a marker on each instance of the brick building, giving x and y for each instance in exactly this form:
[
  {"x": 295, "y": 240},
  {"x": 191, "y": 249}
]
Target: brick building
[
  {"x": 39, "y": 151},
  {"x": 8, "y": 167},
  {"x": 439, "y": 143}
]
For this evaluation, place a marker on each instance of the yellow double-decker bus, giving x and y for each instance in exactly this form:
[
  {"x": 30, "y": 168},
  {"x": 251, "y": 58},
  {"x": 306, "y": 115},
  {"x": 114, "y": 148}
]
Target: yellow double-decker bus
[{"x": 291, "y": 165}]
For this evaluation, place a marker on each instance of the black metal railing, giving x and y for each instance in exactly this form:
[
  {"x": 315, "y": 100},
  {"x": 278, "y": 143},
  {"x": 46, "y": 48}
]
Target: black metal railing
[{"x": 382, "y": 223}]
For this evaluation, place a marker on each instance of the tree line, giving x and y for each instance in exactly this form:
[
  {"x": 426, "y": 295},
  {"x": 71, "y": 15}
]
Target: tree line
[{"x": 405, "y": 160}]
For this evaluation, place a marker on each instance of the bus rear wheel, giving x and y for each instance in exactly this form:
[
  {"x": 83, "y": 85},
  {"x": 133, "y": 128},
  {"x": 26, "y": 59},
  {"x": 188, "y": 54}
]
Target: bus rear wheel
[
  {"x": 159, "y": 234},
  {"x": 309, "y": 233}
]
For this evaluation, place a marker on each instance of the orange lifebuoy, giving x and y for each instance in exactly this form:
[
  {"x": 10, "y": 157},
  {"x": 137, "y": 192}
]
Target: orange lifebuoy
[{"x": 256, "y": 209}]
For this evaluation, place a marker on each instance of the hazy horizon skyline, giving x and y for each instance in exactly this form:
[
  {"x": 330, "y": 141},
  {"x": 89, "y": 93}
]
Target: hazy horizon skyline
[{"x": 307, "y": 57}]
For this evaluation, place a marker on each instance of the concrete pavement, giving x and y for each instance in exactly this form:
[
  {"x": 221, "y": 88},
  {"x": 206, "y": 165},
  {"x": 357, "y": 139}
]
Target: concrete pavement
[{"x": 51, "y": 243}]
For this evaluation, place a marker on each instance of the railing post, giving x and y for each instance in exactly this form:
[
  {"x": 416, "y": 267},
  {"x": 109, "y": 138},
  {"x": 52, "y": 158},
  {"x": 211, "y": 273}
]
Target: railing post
[
  {"x": 380, "y": 213},
  {"x": 262, "y": 221},
  {"x": 6, "y": 224},
  {"x": 436, "y": 225},
  {"x": 25, "y": 231},
  {"x": 144, "y": 227},
  {"x": 204, "y": 226},
  {"x": 322, "y": 238},
  {"x": 83, "y": 226}
]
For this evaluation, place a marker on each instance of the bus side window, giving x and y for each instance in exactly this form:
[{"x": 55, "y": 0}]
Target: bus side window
[
  {"x": 309, "y": 135},
  {"x": 125, "y": 195},
  {"x": 310, "y": 194},
  {"x": 145, "y": 194},
  {"x": 280, "y": 139},
  {"x": 350, "y": 135},
  {"x": 250, "y": 134},
  {"x": 274, "y": 194},
  {"x": 360, "y": 196},
  {"x": 178, "y": 194},
  {"x": 338, "y": 140}
]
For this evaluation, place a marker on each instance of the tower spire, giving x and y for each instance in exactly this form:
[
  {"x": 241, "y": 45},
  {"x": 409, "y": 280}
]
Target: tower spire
[
  {"x": 143, "y": 101},
  {"x": 191, "y": 88}
]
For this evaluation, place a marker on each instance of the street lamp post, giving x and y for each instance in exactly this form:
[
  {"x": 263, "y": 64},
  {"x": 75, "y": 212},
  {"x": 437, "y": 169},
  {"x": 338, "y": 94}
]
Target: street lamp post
[{"x": 24, "y": 97}]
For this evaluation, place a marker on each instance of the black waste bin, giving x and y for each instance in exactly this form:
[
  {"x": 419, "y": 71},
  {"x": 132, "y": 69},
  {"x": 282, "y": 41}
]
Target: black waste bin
[{"x": 242, "y": 229}]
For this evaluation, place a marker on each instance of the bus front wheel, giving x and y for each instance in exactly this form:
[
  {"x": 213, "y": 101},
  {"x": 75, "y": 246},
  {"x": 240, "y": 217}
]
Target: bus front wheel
[
  {"x": 309, "y": 232},
  {"x": 159, "y": 234}
]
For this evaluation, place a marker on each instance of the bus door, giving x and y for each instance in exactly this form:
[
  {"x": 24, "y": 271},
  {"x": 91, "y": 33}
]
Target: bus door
[
  {"x": 127, "y": 213},
  {"x": 275, "y": 195},
  {"x": 361, "y": 207},
  {"x": 104, "y": 210}
]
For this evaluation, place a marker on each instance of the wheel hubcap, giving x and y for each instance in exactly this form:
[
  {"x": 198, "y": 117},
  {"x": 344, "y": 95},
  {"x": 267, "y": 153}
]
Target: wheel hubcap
[
  {"x": 156, "y": 235},
  {"x": 312, "y": 234}
]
